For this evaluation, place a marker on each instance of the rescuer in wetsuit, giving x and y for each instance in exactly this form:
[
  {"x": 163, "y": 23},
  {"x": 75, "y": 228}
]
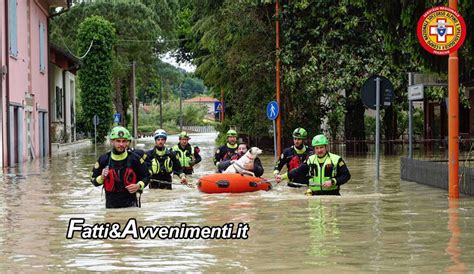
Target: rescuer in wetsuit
[
  {"x": 294, "y": 156},
  {"x": 122, "y": 174},
  {"x": 225, "y": 152},
  {"x": 162, "y": 163},
  {"x": 326, "y": 171}
]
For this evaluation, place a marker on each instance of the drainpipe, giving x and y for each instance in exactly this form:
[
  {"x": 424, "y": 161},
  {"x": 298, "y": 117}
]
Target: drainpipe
[
  {"x": 7, "y": 84},
  {"x": 1, "y": 96},
  {"x": 63, "y": 95}
]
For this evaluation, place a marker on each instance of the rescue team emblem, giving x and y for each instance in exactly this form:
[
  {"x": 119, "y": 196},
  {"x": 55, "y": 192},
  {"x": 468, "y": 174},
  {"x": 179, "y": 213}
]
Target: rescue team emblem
[{"x": 441, "y": 30}]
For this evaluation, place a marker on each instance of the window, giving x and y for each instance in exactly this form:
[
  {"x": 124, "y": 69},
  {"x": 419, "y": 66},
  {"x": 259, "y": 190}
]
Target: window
[
  {"x": 12, "y": 28},
  {"x": 42, "y": 47},
  {"x": 59, "y": 103}
]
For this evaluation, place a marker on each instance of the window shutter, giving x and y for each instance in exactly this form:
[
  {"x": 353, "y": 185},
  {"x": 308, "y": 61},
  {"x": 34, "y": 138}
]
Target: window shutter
[
  {"x": 12, "y": 28},
  {"x": 42, "y": 47}
]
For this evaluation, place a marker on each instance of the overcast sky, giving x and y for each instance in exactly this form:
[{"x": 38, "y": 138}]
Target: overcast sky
[{"x": 170, "y": 60}]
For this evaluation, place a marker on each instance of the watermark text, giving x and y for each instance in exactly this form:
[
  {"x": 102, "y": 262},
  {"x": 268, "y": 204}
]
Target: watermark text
[{"x": 100, "y": 231}]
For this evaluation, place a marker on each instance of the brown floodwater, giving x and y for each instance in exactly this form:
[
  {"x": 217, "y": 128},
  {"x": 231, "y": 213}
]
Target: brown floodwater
[{"x": 375, "y": 226}]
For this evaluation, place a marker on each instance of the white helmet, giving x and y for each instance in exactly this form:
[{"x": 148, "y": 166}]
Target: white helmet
[{"x": 159, "y": 133}]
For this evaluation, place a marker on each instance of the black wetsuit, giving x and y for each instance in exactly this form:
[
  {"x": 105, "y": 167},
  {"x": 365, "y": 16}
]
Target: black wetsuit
[
  {"x": 225, "y": 153},
  {"x": 292, "y": 159},
  {"x": 118, "y": 196}
]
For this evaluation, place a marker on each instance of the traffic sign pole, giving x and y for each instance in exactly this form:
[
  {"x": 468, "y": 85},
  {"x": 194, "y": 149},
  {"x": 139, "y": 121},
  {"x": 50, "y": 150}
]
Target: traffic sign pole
[
  {"x": 277, "y": 71},
  {"x": 95, "y": 121},
  {"x": 377, "y": 128},
  {"x": 95, "y": 138},
  {"x": 377, "y": 83},
  {"x": 453, "y": 119},
  {"x": 222, "y": 106},
  {"x": 273, "y": 114},
  {"x": 274, "y": 141}
]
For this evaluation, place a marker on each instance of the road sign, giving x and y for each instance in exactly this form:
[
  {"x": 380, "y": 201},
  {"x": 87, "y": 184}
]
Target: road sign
[
  {"x": 95, "y": 120},
  {"x": 217, "y": 106},
  {"x": 272, "y": 110},
  {"x": 368, "y": 92},
  {"x": 415, "y": 92},
  {"x": 117, "y": 118}
]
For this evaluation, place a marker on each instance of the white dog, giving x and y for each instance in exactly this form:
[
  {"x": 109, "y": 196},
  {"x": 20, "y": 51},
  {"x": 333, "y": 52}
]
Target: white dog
[{"x": 247, "y": 159}]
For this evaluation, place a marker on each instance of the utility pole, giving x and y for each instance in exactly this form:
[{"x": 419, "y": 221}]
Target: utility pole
[
  {"x": 134, "y": 103},
  {"x": 161, "y": 102},
  {"x": 181, "y": 107},
  {"x": 222, "y": 106},
  {"x": 277, "y": 80}
]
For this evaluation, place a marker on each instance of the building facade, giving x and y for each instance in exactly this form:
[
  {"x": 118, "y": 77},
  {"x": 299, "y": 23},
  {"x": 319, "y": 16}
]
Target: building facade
[
  {"x": 62, "y": 93},
  {"x": 24, "y": 89},
  {"x": 208, "y": 102}
]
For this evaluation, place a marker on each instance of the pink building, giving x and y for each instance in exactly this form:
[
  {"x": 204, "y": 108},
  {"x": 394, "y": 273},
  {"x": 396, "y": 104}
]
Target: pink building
[{"x": 24, "y": 85}]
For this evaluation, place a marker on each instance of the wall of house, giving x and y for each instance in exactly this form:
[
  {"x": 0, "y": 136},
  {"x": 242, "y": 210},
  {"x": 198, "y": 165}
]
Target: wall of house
[
  {"x": 63, "y": 83},
  {"x": 2, "y": 83},
  {"x": 28, "y": 84},
  {"x": 39, "y": 76}
]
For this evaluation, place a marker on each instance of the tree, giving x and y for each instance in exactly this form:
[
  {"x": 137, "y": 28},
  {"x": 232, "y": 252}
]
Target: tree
[
  {"x": 96, "y": 76},
  {"x": 140, "y": 38},
  {"x": 328, "y": 49},
  {"x": 230, "y": 42}
]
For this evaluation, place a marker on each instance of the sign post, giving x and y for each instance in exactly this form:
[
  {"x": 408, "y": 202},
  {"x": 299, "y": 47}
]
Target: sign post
[
  {"x": 272, "y": 114},
  {"x": 377, "y": 128},
  {"x": 377, "y": 93},
  {"x": 95, "y": 122},
  {"x": 415, "y": 93}
]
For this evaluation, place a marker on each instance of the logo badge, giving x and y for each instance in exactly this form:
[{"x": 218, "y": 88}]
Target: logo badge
[{"x": 441, "y": 30}]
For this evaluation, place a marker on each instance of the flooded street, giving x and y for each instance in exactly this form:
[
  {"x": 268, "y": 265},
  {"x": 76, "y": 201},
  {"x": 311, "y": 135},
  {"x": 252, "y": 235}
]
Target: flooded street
[{"x": 389, "y": 225}]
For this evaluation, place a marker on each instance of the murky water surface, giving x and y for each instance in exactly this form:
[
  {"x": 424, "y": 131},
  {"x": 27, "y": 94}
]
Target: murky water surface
[{"x": 389, "y": 225}]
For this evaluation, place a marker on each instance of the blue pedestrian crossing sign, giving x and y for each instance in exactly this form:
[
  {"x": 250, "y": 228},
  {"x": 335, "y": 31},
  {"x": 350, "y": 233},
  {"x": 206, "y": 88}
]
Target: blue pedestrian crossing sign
[
  {"x": 217, "y": 106},
  {"x": 117, "y": 118},
  {"x": 272, "y": 110}
]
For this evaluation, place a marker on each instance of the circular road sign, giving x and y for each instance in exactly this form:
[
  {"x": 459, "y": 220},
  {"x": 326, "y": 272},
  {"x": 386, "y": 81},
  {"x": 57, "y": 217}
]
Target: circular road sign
[
  {"x": 272, "y": 110},
  {"x": 368, "y": 94}
]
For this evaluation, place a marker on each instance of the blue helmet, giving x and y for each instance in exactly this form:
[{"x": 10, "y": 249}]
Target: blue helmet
[{"x": 159, "y": 133}]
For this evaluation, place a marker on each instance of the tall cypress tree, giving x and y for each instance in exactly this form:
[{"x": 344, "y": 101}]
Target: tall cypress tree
[{"x": 96, "y": 75}]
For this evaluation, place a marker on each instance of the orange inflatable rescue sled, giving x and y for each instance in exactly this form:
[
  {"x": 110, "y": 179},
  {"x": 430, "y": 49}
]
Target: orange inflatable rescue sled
[{"x": 231, "y": 183}]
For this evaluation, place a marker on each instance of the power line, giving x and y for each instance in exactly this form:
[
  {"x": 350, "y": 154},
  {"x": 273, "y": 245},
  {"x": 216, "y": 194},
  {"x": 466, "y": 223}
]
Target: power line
[
  {"x": 70, "y": 52},
  {"x": 152, "y": 41}
]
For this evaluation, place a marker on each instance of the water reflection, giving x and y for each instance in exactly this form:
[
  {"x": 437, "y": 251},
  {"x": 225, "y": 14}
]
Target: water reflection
[
  {"x": 453, "y": 248},
  {"x": 323, "y": 228},
  {"x": 375, "y": 226}
]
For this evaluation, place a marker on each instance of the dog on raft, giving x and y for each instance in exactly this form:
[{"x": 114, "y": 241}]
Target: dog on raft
[{"x": 246, "y": 160}]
